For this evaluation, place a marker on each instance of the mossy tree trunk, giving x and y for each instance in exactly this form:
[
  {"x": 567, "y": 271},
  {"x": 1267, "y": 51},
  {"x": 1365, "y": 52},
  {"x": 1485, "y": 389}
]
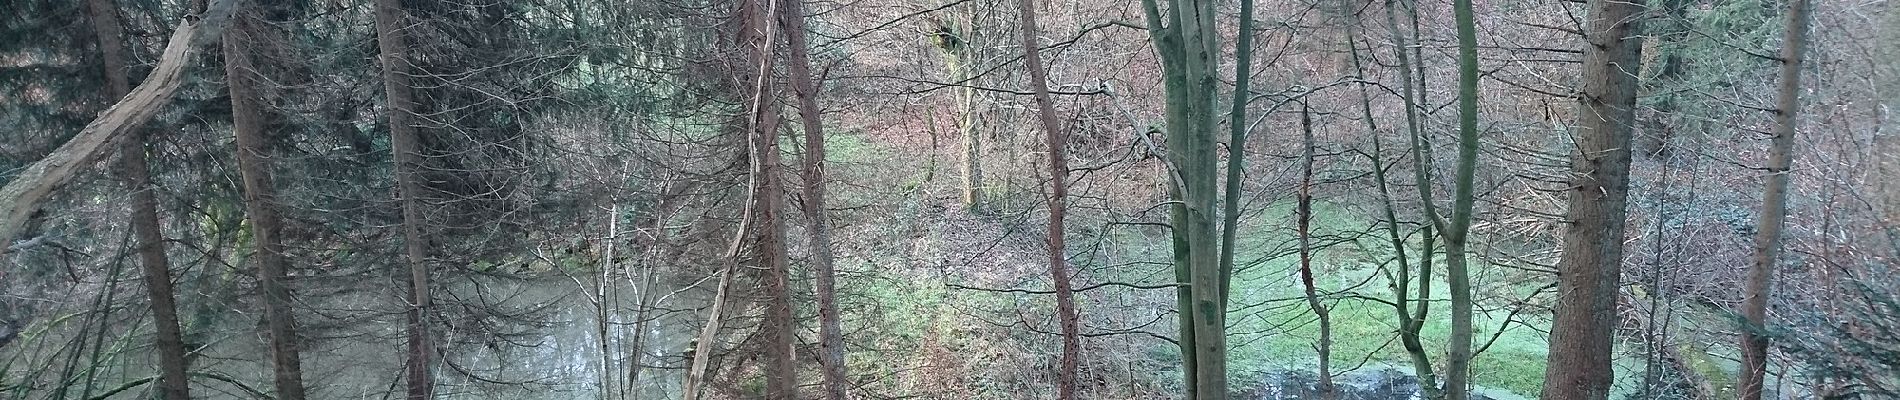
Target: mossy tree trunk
[
  {"x": 1457, "y": 231},
  {"x": 1185, "y": 36},
  {"x": 1411, "y": 312}
]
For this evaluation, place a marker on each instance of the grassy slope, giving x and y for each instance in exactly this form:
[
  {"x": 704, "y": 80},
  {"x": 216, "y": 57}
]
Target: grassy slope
[
  {"x": 1283, "y": 333},
  {"x": 1272, "y": 328}
]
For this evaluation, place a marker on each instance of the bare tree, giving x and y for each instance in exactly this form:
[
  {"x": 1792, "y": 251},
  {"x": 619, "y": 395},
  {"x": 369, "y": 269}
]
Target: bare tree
[
  {"x": 1185, "y": 36},
  {"x": 953, "y": 38},
  {"x": 830, "y": 333},
  {"x": 1411, "y": 313},
  {"x": 1236, "y": 148},
  {"x": 1057, "y": 142},
  {"x": 1303, "y": 210},
  {"x": 1457, "y": 231}
]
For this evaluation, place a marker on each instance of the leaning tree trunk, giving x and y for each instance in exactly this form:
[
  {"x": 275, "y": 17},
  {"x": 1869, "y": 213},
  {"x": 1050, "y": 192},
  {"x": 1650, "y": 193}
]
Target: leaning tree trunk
[
  {"x": 1774, "y": 208},
  {"x": 260, "y": 203},
  {"x": 404, "y": 143},
  {"x": 1588, "y": 273},
  {"x": 830, "y": 333},
  {"x": 21, "y": 196},
  {"x": 168, "y": 340},
  {"x": 1057, "y": 142}
]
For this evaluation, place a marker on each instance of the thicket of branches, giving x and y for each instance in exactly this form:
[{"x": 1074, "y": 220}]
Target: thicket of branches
[{"x": 613, "y": 199}]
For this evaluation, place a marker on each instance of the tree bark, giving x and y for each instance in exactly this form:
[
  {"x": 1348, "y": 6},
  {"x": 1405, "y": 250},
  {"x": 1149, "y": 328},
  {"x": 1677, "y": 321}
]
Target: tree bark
[
  {"x": 260, "y": 203},
  {"x": 168, "y": 340},
  {"x": 953, "y": 37},
  {"x": 1187, "y": 47},
  {"x": 1410, "y": 320},
  {"x": 756, "y": 33},
  {"x": 1236, "y": 149},
  {"x": 1590, "y": 269},
  {"x": 405, "y": 146},
  {"x": 1457, "y": 230},
  {"x": 830, "y": 332},
  {"x": 1057, "y": 143},
  {"x": 1774, "y": 208},
  {"x": 1304, "y": 212},
  {"x": 21, "y": 196}
]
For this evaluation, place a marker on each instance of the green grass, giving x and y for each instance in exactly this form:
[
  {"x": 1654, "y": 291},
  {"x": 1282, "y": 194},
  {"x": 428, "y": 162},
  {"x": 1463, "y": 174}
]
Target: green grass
[
  {"x": 1284, "y": 333},
  {"x": 1279, "y": 335},
  {"x": 848, "y": 147}
]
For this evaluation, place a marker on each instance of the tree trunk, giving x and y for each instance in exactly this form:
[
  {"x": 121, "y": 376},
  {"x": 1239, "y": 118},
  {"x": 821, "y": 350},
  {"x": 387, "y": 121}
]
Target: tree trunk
[
  {"x": 1057, "y": 142},
  {"x": 953, "y": 38},
  {"x": 1236, "y": 149},
  {"x": 1774, "y": 208},
  {"x": 1588, "y": 273},
  {"x": 830, "y": 333},
  {"x": 260, "y": 203},
  {"x": 1456, "y": 231},
  {"x": 1304, "y": 211},
  {"x": 756, "y": 33},
  {"x": 781, "y": 369},
  {"x": 1187, "y": 47},
  {"x": 604, "y": 304},
  {"x": 405, "y": 146},
  {"x": 168, "y": 340},
  {"x": 1411, "y": 320},
  {"x": 21, "y": 196}
]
